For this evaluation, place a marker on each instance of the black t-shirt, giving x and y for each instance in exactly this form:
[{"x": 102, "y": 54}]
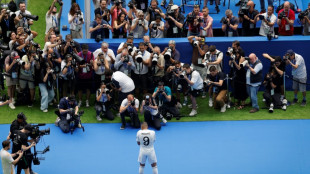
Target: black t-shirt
[
  {"x": 17, "y": 126},
  {"x": 153, "y": 14},
  {"x": 217, "y": 78},
  {"x": 64, "y": 104},
  {"x": 248, "y": 26},
  {"x": 19, "y": 138},
  {"x": 7, "y": 25},
  {"x": 101, "y": 12},
  {"x": 278, "y": 81},
  {"x": 170, "y": 32}
]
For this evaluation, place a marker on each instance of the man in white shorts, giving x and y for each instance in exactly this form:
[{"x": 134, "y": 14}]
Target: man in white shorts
[{"x": 145, "y": 139}]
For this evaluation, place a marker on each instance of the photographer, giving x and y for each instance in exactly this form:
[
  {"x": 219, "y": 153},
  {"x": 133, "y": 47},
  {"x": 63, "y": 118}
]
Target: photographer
[
  {"x": 20, "y": 143},
  {"x": 158, "y": 66},
  {"x": 27, "y": 71},
  {"x": 104, "y": 12},
  {"x": 76, "y": 21},
  {"x": 299, "y": 73},
  {"x": 196, "y": 83},
  {"x": 157, "y": 28},
  {"x": 142, "y": 59},
  {"x": 171, "y": 54},
  {"x": 107, "y": 53},
  {"x": 248, "y": 18},
  {"x": 20, "y": 19},
  {"x": 68, "y": 110},
  {"x": 174, "y": 22},
  {"x": 268, "y": 21},
  {"x": 230, "y": 24},
  {"x": 52, "y": 18},
  {"x": 8, "y": 163},
  {"x": 153, "y": 12},
  {"x": 193, "y": 20},
  {"x": 7, "y": 25},
  {"x": 150, "y": 111},
  {"x": 52, "y": 43},
  {"x": 101, "y": 65},
  {"x": 116, "y": 10},
  {"x": 127, "y": 45},
  {"x": 199, "y": 50},
  {"x": 130, "y": 107},
  {"x": 97, "y": 28},
  {"x": 305, "y": 21},
  {"x": 70, "y": 46},
  {"x": 218, "y": 88},
  {"x": 53, "y": 59},
  {"x": 68, "y": 68},
  {"x": 124, "y": 63},
  {"x": 11, "y": 68},
  {"x": 139, "y": 26},
  {"x": 103, "y": 103},
  {"x": 46, "y": 85},
  {"x": 206, "y": 23},
  {"x": 21, "y": 46},
  {"x": 85, "y": 74},
  {"x": 254, "y": 78},
  {"x": 286, "y": 18},
  {"x": 18, "y": 124},
  {"x": 272, "y": 94},
  {"x": 147, "y": 44},
  {"x": 120, "y": 26},
  {"x": 167, "y": 103}
]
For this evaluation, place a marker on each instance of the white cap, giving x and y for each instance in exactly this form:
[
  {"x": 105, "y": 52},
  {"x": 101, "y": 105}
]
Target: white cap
[{"x": 174, "y": 7}]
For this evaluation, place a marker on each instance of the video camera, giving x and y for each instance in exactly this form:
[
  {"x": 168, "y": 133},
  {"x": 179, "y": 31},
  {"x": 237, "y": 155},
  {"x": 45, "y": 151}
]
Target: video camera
[
  {"x": 244, "y": 10},
  {"x": 37, "y": 133}
]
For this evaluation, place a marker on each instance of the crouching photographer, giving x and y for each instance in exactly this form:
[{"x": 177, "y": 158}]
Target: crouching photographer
[
  {"x": 151, "y": 114},
  {"x": 167, "y": 103},
  {"x": 129, "y": 107},
  {"x": 68, "y": 116},
  {"x": 102, "y": 105}
]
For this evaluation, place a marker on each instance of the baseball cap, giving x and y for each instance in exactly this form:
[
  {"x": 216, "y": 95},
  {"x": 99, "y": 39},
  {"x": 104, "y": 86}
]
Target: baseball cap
[
  {"x": 174, "y": 7},
  {"x": 71, "y": 98},
  {"x": 21, "y": 116},
  {"x": 14, "y": 55},
  {"x": 290, "y": 52}
]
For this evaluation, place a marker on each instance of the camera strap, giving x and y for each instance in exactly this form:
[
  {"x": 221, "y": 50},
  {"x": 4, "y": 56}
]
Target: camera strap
[{"x": 54, "y": 19}]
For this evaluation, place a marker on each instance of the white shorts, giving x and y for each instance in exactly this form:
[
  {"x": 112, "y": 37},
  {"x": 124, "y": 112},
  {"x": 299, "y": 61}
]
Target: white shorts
[{"x": 143, "y": 155}]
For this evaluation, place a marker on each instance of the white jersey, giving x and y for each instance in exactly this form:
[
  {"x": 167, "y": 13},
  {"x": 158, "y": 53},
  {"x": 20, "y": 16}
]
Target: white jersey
[
  {"x": 146, "y": 138},
  {"x": 6, "y": 160}
]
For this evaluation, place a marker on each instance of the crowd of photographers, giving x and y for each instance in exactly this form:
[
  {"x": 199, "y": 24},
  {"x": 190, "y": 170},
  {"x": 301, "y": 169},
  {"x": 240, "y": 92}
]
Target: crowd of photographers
[{"x": 63, "y": 68}]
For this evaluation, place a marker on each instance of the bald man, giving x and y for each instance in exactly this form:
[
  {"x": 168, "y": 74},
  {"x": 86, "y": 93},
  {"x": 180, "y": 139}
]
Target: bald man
[
  {"x": 254, "y": 77},
  {"x": 130, "y": 107},
  {"x": 248, "y": 20},
  {"x": 286, "y": 18}
]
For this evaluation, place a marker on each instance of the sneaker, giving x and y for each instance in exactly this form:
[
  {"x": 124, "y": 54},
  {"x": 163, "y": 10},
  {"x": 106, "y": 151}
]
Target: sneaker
[
  {"x": 253, "y": 110},
  {"x": 30, "y": 105},
  {"x": 87, "y": 103},
  {"x": 210, "y": 103},
  {"x": 98, "y": 118},
  {"x": 164, "y": 120},
  {"x": 271, "y": 108},
  {"x": 13, "y": 101},
  {"x": 193, "y": 113},
  {"x": 294, "y": 101},
  {"x": 185, "y": 103},
  {"x": 80, "y": 103},
  {"x": 122, "y": 127},
  {"x": 11, "y": 105},
  {"x": 168, "y": 116},
  {"x": 303, "y": 103},
  {"x": 79, "y": 125},
  {"x": 45, "y": 110},
  {"x": 179, "y": 106},
  {"x": 191, "y": 106},
  {"x": 203, "y": 95},
  {"x": 57, "y": 121},
  {"x": 223, "y": 108}
]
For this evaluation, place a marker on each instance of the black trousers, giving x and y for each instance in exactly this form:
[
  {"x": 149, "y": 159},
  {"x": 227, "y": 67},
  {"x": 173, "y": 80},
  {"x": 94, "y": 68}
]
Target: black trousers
[
  {"x": 152, "y": 120},
  {"x": 134, "y": 119},
  {"x": 275, "y": 99},
  {"x": 64, "y": 124},
  {"x": 171, "y": 109},
  {"x": 107, "y": 113}
]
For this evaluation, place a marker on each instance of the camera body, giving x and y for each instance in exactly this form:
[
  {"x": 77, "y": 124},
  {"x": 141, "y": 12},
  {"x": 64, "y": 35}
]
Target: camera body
[
  {"x": 129, "y": 47},
  {"x": 301, "y": 15},
  {"x": 244, "y": 10},
  {"x": 139, "y": 58},
  {"x": 168, "y": 53},
  {"x": 224, "y": 20},
  {"x": 229, "y": 51},
  {"x": 130, "y": 5},
  {"x": 155, "y": 59},
  {"x": 183, "y": 74},
  {"x": 196, "y": 43},
  {"x": 190, "y": 17},
  {"x": 126, "y": 59},
  {"x": 282, "y": 15},
  {"x": 118, "y": 2}
]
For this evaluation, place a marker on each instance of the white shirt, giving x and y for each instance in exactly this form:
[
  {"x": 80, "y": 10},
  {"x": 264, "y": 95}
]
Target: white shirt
[
  {"x": 146, "y": 138},
  {"x": 157, "y": 33},
  {"x": 139, "y": 31},
  {"x": 125, "y": 103},
  {"x": 264, "y": 28},
  {"x": 6, "y": 161},
  {"x": 140, "y": 67},
  {"x": 133, "y": 49},
  {"x": 197, "y": 80},
  {"x": 51, "y": 21},
  {"x": 218, "y": 56},
  {"x": 109, "y": 52},
  {"x": 45, "y": 48},
  {"x": 301, "y": 71},
  {"x": 76, "y": 24},
  {"x": 23, "y": 22},
  {"x": 125, "y": 82}
]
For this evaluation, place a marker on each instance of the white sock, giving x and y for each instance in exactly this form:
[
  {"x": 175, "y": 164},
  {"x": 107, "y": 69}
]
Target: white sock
[
  {"x": 141, "y": 169},
  {"x": 155, "y": 170}
]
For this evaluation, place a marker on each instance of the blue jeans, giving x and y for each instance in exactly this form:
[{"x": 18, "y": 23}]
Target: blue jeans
[
  {"x": 46, "y": 96},
  {"x": 189, "y": 33},
  {"x": 262, "y": 4},
  {"x": 252, "y": 92}
]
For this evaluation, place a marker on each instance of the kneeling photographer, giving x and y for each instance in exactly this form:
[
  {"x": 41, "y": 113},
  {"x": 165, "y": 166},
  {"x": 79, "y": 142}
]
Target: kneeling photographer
[
  {"x": 150, "y": 110},
  {"x": 167, "y": 103},
  {"x": 102, "y": 105},
  {"x": 69, "y": 116},
  {"x": 129, "y": 107}
]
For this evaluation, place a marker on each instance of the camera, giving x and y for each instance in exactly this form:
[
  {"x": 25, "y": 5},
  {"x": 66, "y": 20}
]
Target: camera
[
  {"x": 244, "y": 10},
  {"x": 196, "y": 43},
  {"x": 98, "y": 38},
  {"x": 167, "y": 54},
  {"x": 77, "y": 58},
  {"x": 129, "y": 47},
  {"x": 118, "y": 2},
  {"x": 28, "y": 16},
  {"x": 244, "y": 63},
  {"x": 126, "y": 59},
  {"x": 207, "y": 82},
  {"x": 182, "y": 75},
  {"x": 20, "y": 62},
  {"x": 56, "y": 30},
  {"x": 36, "y": 132},
  {"x": 301, "y": 15},
  {"x": 147, "y": 102},
  {"x": 139, "y": 58},
  {"x": 282, "y": 15},
  {"x": 190, "y": 17},
  {"x": 140, "y": 22},
  {"x": 39, "y": 51},
  {"x": 155, "y": 59},
  {"x": 130, "y": 5},
  {"x": 154, "y": 26},
  {"x": 78, "y": 12},
  {"x": 27, "y": 30},
  {"x": 132, "y": 103},
  {"x": 229, "y": 51},
  {"x": 261, "y": 17},
  {"x": 72, "y": 44},
  {"x": 286, "y": 57},
  {"x": 60, "y": 2},
  {"x": 224, "y": 20},
  {"x": 54, "y": 55},
  {"x": 161, "y": 90},
  {"x": 34, "y": 44}
]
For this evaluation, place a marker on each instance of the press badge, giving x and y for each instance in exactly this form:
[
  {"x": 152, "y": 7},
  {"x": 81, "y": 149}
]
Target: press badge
[
  {"x": 199, "y": 61},
  {"x": 102, "y": 77},
  {"x": 272, "y": 92},
  {"x": 251, "y": 25},
  {"x": 142, "y": 5},
  {"x": 84, "y": 70},
  {"x": 126, "y": 71},
  {"x": 14, "y": 75},
  {"x": 136, "y": 35},
  {"x": 287, "y": 27},
  {"x": 230, "y": 34},
  {"x": 175, "y": 30},
  {"x": 8, "y": 34}
]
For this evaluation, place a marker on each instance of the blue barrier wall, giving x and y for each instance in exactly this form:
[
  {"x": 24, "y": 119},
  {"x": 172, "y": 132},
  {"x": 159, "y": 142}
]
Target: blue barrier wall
[{"x": 257, "y": 45}]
